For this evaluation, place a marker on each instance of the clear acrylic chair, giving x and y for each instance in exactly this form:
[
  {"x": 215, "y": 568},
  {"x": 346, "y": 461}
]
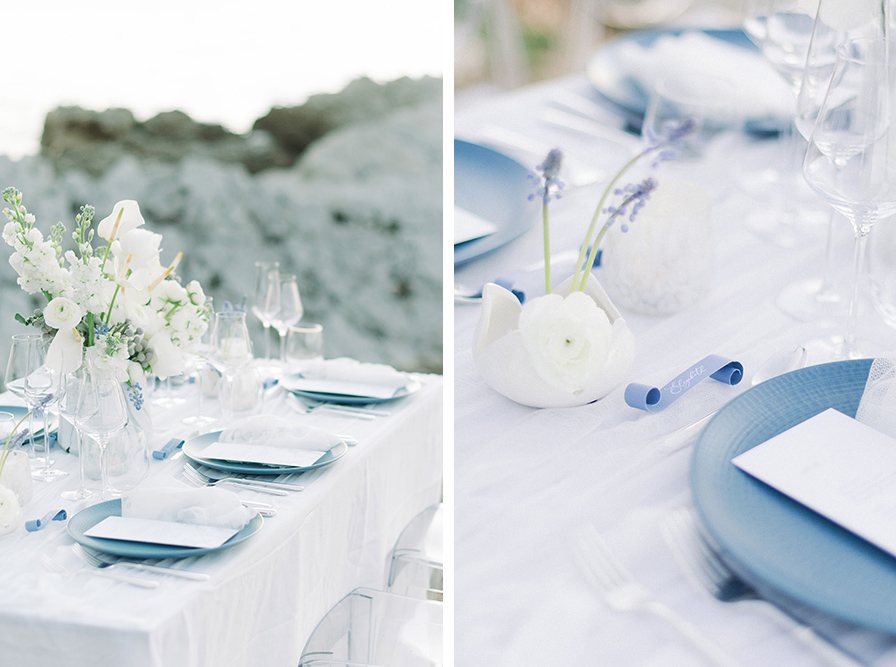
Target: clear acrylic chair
[
  {"x": 415, "y": 565},
  {"x": 370, "y": 628}
]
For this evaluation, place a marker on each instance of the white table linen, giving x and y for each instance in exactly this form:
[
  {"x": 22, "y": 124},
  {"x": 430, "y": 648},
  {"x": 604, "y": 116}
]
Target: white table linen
[
  {"x": 525, "y": 479},
  {"x": 264, "y": 596}
]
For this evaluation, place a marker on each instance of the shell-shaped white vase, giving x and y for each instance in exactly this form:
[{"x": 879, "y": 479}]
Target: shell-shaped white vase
[{"x": 506, "y": 365}]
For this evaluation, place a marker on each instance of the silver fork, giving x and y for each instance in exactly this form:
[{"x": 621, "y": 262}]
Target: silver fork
[
  {"x": 198, "y": 478},
  {"x": 703, "y": 565},
  {"x": 104, "y": 561},
  {"x": 307, "y": 405},
  {"x": 622, "y": 593},
  {"x": 59, "y": 568}
]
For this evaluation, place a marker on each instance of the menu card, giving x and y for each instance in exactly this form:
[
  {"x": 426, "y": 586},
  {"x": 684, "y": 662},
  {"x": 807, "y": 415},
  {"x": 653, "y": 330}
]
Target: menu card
[
  {"x": 836, "y": 466},
  {"x": 264, "y": 454},
  {"x": 170, "y": 533},
  {"x": 469, "y": 226}
]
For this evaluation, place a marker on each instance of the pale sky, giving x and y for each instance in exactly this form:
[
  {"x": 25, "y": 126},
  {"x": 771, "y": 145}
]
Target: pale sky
[{"x": 225, "y": 61}]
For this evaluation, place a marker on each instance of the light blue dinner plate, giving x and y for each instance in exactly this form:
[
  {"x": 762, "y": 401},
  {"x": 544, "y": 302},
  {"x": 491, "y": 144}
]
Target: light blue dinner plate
[
  {"x": 629, "y": 95},
  {"x": 90, "y": 516},
  {"x": 785, "y": 550},
  {"x": 193, "y": 447},
  {"x": 352, "y": 399},
  {"x": 496, "y": 188}
]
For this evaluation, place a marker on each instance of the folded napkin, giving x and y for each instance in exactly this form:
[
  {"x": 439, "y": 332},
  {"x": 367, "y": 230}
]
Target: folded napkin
[
  {"x": 273, "y": 431},
  {"x": 762, "y": 92},
  {"x": 170, "y": 500},
  {"x": 354, "y": 371},
  {"x": 877, "y": 408}
]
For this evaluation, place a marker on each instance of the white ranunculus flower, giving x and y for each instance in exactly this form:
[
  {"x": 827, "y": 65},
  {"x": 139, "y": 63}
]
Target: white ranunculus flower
[
  {"x": 10, "y": 511},
  {"x": 847, "y": 15},
  {"x": 130, "y": 219},
  {"x": 167, "y": 359},
  {"x": 62, "y": 313},
  {"x": 567, "y": 339}
]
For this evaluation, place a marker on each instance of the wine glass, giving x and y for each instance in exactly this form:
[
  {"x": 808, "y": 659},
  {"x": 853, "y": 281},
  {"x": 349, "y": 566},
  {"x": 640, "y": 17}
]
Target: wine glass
[
  {"x": 101, "y": 413},
  {"x": 203, "y": 350},
  {"x": 850, "y": 158},
  {"x": 29, "y": 378},
  {"x": 783, "y": 31},
  {"x": 821, "y": 298},
  {"x": 289, "y": 311},
  {"x": 265, "y": 300},
  {"x": 70, "y": 388},
  {"x": 303, "y": 344},
  {"x": 231, "y": 349}
]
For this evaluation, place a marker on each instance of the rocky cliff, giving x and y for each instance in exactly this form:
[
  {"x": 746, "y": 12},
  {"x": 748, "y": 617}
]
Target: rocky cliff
[{"x": 345, "y": 191}]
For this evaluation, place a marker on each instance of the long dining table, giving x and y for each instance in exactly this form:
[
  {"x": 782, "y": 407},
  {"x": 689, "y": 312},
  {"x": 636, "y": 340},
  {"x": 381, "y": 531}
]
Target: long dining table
[
  {"x": 529, "y": 481},
  {"x": 264, "y": 596}
]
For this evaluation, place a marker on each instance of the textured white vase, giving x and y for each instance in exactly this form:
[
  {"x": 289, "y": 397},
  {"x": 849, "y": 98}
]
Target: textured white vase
[{"x": 507, "y": 367}]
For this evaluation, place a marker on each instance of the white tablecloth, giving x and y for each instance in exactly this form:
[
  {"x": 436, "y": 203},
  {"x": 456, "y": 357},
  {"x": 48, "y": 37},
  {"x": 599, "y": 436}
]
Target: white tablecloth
[
  {"x": 264, "y": 596},
  {"x": 526, "y": 479}
]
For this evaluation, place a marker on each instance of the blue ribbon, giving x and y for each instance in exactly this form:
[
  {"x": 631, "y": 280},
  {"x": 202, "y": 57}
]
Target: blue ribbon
[
  {"x": 170, "y": 446},
  {"x": 653, "y": 399},
  {"x": 53, "y": 515}
]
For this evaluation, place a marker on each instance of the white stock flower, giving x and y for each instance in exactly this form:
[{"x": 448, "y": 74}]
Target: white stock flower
[
  {"x": 62, "y": 313},
  {"x": 130, "y": 219},
  {"x": 567, "y": 339},
  {"x": 197, "y": 296}
]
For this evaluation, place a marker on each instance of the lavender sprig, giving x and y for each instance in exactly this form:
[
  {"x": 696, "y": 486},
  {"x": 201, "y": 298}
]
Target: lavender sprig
[
  {"x": 549, "y": 186},
  {"x": 13, "y": 440},
  {"x": 664, "y": 150}
]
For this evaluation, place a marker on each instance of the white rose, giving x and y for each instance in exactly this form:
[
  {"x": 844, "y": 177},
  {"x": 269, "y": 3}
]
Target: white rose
[
  {"x": 567, "y": 339},
  {"x": 197, "y": 296},
  {"x": 130, "y": 219},
  {"x": 62, "y": 313}
]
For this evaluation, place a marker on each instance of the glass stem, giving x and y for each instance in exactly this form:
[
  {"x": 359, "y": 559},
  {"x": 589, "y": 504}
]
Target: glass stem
[
  {"x": 282, "y": 347},
  {"x": 200, "y": 369},
  {"x": 850, "y": 346},
  {"x": 82, "y": 458},
  {"x": 32, "y": 454},
  {"x": 104, "y": 482},
  {"x": 46, "y": 439},
  {"x": 827, "y": 293},
  {"x": 267, "y": 341}
]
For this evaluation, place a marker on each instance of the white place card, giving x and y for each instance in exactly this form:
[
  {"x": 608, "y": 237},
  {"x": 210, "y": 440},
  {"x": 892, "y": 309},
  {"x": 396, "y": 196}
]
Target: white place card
[
  {"x": 836, "y": 466},
  {"x": 347, "y": 387},
  {"x": 130, "y": 529},
  {"x": 264, "y": 454},
  {"x": 469, "y": 226}
]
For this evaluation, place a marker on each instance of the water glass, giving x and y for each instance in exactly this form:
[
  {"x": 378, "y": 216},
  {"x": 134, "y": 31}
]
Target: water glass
[{"x": 304, "y": 343}]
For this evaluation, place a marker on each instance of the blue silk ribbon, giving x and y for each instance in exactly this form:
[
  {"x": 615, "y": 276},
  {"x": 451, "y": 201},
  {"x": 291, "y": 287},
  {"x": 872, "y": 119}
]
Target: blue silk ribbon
[{"x": 654, "y": 399}]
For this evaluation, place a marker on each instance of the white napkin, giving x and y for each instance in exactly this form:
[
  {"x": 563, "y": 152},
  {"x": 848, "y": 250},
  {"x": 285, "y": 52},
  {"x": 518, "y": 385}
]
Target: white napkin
[
  {"x": 350, "y": 377},
  {"x": 877, "y": 407},
  {"x": 469, "y": 226},
  {"x": 273, "y": 431},
  {"x": 170, "y": 500},
  {"x": 762, "y": 92}
]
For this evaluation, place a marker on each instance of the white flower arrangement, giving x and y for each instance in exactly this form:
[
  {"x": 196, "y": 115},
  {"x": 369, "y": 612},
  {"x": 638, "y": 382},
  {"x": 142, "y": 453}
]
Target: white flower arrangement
[{"x": 117, "y": 304}]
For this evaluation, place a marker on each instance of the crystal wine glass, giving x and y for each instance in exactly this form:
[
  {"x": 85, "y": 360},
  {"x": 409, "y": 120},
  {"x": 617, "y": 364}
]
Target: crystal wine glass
[
  {"x": 203, "y": 351},
  {"x": 29, "y": 378},
  {"x": 851, "y": 158},
  {"x": 265, "y": 300},
  {"x": 783, "y": 31},
  {"x": 101, "y": 413},
  {"x": 289, "y": 312},
  {"x": 821, "y": 298},
  {"x": 231, "y": 349},
  {"x": 70, "y": 388}
]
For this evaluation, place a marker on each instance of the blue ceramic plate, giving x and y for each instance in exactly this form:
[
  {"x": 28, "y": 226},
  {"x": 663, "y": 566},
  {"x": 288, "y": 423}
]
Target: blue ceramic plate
[
  {"x": 496, "y": 188},
  {"x": 352, "y": 399},
  {"x": 629, "y": 95},
  {"x": 193, "y": 450},
  {"x": 90, "y": 516},
  {"x": 787, "y": 551}
]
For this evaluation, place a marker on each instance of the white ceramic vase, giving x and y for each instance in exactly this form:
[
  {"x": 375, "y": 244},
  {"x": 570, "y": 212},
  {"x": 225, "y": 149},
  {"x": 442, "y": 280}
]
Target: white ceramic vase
[{"x": 506, "y": 365}]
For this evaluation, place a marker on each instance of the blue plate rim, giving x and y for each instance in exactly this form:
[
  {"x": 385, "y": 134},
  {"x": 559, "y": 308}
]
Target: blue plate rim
[
  {"x": 767, "y": 568},
  {"x": 83, "y": 520},
  {"x": 252, "y": 469},
  {"x": 411, "y": 387}
]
